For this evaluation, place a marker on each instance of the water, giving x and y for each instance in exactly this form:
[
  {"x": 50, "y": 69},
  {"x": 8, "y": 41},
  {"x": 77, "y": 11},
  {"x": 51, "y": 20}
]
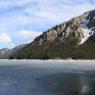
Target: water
[{"x": 36, "y": 77}]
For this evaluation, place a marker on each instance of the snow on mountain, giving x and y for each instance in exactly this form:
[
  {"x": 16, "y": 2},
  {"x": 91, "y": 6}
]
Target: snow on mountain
[{"x": 86, "y": 31}]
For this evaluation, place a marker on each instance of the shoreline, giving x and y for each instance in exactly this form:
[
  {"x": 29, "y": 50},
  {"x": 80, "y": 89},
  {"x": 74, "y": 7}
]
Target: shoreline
[{"x": 53, "y": 59}]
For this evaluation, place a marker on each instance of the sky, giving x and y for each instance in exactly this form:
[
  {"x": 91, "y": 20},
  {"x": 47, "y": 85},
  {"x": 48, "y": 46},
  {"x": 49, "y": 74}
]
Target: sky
[{"x": 23, "y": 20}]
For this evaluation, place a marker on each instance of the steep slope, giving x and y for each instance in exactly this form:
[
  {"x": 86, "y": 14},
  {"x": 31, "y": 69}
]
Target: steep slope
[{"x": 72, "y": 39}]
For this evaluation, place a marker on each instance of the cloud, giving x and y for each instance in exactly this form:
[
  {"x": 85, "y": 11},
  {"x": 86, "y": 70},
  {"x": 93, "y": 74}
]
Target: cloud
[
  {"x": 26, "y": 12},
  {"x": 27, "y": 36},
  {"x": 33, "y": 14},
  {"x": 4, "y": 38},
  {"x": 12, "y": 45},
  {"x": 55, "y": 15},
  {"x": 21, "y": 19},
  {"x": 6, "y": 41}
]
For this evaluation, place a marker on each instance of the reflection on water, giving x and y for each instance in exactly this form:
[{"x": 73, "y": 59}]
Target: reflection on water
[
  {"x": 46, "y": 79},
  {"x": 63, "y": 84},
  {"x": 70, "y": 83}
]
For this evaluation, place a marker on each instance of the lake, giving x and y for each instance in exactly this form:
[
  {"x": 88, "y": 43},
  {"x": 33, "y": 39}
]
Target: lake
[{"x": 47, "y": 77}]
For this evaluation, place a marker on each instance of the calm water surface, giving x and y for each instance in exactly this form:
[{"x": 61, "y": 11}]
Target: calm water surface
[{"x": 36, "y": 77}]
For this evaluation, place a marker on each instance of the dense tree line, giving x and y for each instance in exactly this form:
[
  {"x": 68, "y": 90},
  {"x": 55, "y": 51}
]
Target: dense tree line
[{"x": 69, "y": 48}]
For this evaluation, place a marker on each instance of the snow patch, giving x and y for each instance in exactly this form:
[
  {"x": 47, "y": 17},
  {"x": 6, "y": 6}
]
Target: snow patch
[{"x": 86, "y": 31}]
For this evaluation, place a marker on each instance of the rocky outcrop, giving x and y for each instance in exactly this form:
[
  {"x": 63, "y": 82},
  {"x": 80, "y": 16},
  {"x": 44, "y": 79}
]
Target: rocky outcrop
[
  {"x": 72, "y": 39},
  {"x": 80, "y": 28}
]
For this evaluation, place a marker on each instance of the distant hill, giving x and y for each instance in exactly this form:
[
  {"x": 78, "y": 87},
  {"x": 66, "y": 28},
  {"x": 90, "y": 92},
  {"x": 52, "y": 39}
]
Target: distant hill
[
  {"x": 72, "y": 39},
  {"x": 5, "y": 52}
]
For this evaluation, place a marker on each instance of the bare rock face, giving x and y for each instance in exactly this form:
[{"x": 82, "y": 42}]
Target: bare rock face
[
  {"x": 72, "y": 39},
  {"x": 81, "y": 28}
]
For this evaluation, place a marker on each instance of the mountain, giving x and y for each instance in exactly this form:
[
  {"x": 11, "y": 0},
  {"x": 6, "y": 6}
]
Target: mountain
[
  {"x": 72, "y": 39},
  {"x": 5, "y": 52}
]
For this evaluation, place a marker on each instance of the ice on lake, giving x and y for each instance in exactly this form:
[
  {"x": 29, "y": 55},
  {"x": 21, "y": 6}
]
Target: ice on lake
[{"x": 47, "y": 77}]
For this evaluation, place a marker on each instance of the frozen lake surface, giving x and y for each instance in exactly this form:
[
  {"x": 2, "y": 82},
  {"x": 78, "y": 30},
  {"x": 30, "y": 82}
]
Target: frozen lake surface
[{"x": 47, "y": 77}]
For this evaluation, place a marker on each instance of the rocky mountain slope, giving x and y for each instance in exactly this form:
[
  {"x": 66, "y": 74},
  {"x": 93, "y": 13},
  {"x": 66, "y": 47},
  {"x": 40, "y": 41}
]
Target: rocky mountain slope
[{"x": 72, "y": 39}]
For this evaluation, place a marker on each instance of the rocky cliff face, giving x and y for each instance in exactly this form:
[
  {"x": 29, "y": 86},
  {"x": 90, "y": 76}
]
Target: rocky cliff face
[
  {"x": 72, "y": 39},
  {"x": 80, "y": 28}
]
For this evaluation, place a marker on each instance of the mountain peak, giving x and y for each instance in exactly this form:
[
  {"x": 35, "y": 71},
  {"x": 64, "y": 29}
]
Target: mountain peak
[
  {"x": 72, "y": 39},
  {"x": 81, "y": 28}
]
